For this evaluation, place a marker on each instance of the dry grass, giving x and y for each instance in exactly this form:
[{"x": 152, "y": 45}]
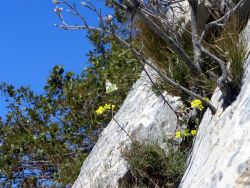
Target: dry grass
[
  {"x": 234, "y": 51},
  {"x": 169, "y": 63}
]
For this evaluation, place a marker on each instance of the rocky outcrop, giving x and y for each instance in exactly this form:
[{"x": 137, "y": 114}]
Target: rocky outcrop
[
  {"x": 145, "y": 117},
  {"x": 220, "y": 156},
  {"x": 221, "y": 152}
]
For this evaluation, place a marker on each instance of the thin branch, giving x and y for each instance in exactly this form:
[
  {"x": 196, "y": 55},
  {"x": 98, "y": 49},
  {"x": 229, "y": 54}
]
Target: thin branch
[
  {"x": 175, "y": 47},
  {"x": 130, "y": 27},
  {"x": 222, "y": 81},
  {"x": 123, "y": 129},
  {"x": 146, "y": 14},
  {"x": 144, "y": 61},
  {"x": 195, "y": 39},
  {"x": 223, "y": 20},
  {"x": 141, "y": 59},
  {"x": 143, "y": 67},
  {"x": 162, "y": 96}
]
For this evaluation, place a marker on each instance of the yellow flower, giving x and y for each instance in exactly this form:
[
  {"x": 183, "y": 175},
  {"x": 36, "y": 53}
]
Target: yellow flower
[
  {"x": 100, "y": 110},
  {"x": 197, "y": 104},
  {"x": 178, "y": 134},
  {"x": 186, "y": 133},
  {"x": 193, "y": 132},
  {"x": 107, "y": 106}
]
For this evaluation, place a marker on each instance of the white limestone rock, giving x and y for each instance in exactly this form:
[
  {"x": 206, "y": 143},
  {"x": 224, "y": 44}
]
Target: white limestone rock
[
  {"x": 221, "y": 152},
  {"x": 145, "y": 117}
]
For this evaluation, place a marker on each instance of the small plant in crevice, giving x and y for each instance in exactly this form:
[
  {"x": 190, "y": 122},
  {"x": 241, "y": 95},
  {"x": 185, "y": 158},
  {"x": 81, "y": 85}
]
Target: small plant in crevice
[
  {"x": 192, "y": 112},
  {"x": 185, "y": 133},
  {"x": 150, "y": 166},
  {"x": 237, "y": 56},
  {"x": 188, "y": 122},
  {"x": 234, "y": 49},
  {"x": 169, "y": 63},
  {"x": 226, "y": 44}
]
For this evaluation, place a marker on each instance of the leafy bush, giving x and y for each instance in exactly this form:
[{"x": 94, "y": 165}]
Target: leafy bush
[
  {"x": 53, "y": 132},
  {"x": 150, "y": 166}
]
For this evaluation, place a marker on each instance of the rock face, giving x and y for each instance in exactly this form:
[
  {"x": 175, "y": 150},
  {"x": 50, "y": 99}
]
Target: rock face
[
  {"x": 221, "y": 152},
  {"x": 145, "y": 117}
]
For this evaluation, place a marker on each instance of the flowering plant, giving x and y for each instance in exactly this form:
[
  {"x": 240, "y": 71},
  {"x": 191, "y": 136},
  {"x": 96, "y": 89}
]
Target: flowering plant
[
  {"x": 197, "y": 103},
  {"x": 102, "y": 109},
  {"x": 185, "y": 133}
]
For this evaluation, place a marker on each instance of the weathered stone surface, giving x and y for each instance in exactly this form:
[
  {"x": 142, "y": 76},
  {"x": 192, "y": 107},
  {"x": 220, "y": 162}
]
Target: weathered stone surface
[
  {"x": 145, "y": 117},
  {"x": 221, "y": 153}
]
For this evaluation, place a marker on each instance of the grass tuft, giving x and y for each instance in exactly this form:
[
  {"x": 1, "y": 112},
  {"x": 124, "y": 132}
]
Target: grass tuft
[
  {"x": 150, "y": 166},
  {"x": 234, "y": 50}
]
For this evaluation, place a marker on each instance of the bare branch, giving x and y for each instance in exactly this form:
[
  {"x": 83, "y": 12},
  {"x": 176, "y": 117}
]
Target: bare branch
[
  {"x": 195, "y": 39},
  {"x": 174, "y": 46},
  {"x": 223, "y": 20},
  {"x": 142, "y": 59},
  {"x": 158, "y": 89},
  {"x": 130, "y": 27},
  {"x": 122, "y": 128},
  {"x": 222, "y": 81}
]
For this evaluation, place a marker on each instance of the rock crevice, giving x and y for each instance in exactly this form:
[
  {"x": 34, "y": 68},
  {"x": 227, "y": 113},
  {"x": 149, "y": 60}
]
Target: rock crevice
[{"x": 221, "y": 154}]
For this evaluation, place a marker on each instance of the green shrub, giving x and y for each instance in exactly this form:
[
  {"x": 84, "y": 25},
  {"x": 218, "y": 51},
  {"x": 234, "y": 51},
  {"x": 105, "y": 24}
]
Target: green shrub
[
  {"x": 149, "y": 165},
  {"x": 61, "y": 125}
]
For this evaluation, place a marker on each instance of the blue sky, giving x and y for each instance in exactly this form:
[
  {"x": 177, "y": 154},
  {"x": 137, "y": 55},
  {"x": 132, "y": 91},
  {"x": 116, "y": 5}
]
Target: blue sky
[{"x": 30, "y": 44}]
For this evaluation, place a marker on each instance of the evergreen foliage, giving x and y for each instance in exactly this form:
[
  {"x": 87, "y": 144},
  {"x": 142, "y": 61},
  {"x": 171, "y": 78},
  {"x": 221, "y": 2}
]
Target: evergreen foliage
[
  {"x": 48, "y": 136},
  {"x": 52, "y": 133}
]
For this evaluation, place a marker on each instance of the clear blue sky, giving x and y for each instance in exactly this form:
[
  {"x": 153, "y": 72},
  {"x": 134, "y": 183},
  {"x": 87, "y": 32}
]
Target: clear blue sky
[{"x": 30, "y": 44}]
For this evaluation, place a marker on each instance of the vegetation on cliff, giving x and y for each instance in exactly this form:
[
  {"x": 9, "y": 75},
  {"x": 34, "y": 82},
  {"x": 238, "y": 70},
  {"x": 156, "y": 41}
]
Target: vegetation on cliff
[{"x": 52, "y": 133}]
